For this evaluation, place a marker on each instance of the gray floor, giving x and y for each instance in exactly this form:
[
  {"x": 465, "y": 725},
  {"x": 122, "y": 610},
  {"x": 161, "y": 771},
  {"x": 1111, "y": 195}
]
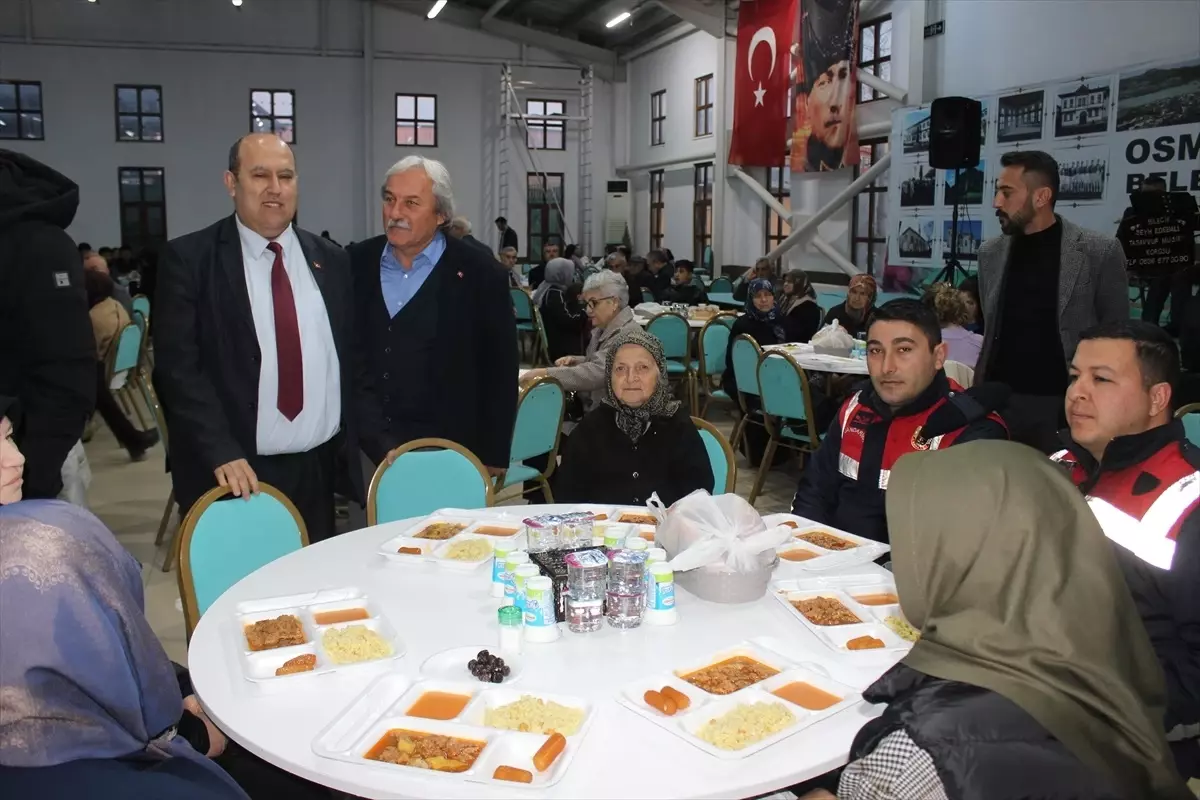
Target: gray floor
[{"x": 130, "y": 498}]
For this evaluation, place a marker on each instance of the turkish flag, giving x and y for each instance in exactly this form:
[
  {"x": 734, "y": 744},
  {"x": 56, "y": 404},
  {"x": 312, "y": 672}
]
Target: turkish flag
[{"x": 760, "y": 85}]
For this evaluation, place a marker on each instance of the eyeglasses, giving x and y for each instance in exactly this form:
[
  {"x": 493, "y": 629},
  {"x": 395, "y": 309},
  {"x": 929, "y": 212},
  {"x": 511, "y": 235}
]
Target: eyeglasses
[{"x": 591, "y": 304}]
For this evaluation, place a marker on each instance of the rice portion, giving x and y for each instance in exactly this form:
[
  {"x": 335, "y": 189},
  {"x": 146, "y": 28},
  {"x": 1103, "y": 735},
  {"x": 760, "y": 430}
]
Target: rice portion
[
  {"x": 534, "y": 715},
  {"x": 746, "y": 724},
  {"x": 354, "y": 643}
]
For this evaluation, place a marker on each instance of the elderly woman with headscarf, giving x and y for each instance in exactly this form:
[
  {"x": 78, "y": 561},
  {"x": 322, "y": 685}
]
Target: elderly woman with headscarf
[
  {"x": 855, "y": 312},
  {"x": 559, "y": 310},
  {"x": 1033, "y": 675},
  {"x": 798, "y": 307},
  {"x": 606, "y": 301},
  {"x": 640, "y": 441}
]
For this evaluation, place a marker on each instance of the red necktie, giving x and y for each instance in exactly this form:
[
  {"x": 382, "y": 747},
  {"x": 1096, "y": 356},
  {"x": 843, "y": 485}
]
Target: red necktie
[{"x": 290, "y": 396}]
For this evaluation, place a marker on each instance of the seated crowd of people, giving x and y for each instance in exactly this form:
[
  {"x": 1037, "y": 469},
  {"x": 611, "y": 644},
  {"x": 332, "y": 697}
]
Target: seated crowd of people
[{"x": 1057, "y": 596}]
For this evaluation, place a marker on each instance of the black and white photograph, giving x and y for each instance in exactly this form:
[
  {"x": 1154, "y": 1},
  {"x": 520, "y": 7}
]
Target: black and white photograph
[
  {"x": 915, "y": 238},
  {"x": 967, "y": 188},
  {"x": 919, "y": 188},
  {"x": 916, "y": 131},
  {"x": 1158, "y": 97},
  {"x": 1019, "y": 116},
  {"x": 1083, "y": 107},
  {"x": 1082, "y": 174},
  {"x": 970, "y": 236},
  {"x": 984, "y": 119}
]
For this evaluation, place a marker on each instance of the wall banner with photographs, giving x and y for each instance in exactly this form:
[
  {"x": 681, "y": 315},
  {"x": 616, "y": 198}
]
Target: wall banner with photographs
[
  {"x": 1107, "y": 132},
  {"x": 825, "y": 58}
]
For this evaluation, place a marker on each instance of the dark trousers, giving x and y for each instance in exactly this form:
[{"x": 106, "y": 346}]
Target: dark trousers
[
  {"x": 1179, "y": 287},
  {"x": 308, "y": 481},
  {"x": 1035, "y": 420},
  {"x": 110, "y": 411}
]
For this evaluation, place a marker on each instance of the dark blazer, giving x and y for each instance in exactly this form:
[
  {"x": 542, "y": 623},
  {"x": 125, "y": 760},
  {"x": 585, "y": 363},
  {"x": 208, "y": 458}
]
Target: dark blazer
[
  {"x": 600, "y": 464},
  {"x": 478, "y": 245},
  {"x": 207, "y": 356},
  {"x": 476, "y": 358}
]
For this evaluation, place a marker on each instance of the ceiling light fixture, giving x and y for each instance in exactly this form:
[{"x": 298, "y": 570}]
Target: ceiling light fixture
[
  {"x": 437, "y": 9},
  {"x": 617, "y": 20},
  {"x": 237, "y": 3}
]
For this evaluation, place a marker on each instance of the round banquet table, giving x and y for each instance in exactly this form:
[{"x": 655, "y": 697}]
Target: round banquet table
[{"x": 622, "y": 755}]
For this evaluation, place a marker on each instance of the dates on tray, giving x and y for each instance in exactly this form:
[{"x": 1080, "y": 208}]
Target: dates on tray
[{"x": 488, "y": 668}]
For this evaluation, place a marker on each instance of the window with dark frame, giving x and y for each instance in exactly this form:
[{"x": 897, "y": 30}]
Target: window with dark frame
[
  {"x": 875, "y": 54},
  {"x": 704, "y": 106},
  {"x": 658, "y": 117},
  {"x": 416, "y": 120},
  {"x": 543, "y": 220},
  {"x": 702, "y": 211},
  {"x": 143, "y": 200},
  {"x": 21, "y": 110},
  {"x": 546, "y": 134},
  {"x": 274, "y": 111},
  {"x": 139, "y": 113},
  {"x": 658, "y": 207},
  {"x": 779, "y": 184},
  {"x": 868, "y": 226}
]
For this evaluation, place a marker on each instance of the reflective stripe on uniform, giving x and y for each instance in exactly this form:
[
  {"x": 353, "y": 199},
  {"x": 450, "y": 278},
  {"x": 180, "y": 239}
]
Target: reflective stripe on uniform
[
  {"x": 851, "y": 407},
  {"x": 1152, "y": 546},
  {"x": 848, "y": 466},
  {"x": 1060, "y": 455}
]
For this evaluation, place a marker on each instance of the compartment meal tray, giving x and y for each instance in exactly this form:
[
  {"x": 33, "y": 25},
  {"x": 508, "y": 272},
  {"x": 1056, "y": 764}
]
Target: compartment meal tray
[{"x": 865, "y": 550}]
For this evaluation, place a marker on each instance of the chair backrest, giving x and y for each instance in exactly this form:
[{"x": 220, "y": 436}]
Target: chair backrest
[
  {"x": 726, "y": 318},
  {"x": 745, "y": 364},
  {"x": 522, "y": 303},
  {"x": 960, "y": 373},
  {"x": 720, "y": 457},
  {"x": 539, "y": 419},
  {"x": 427, "y": 474},
  {"x": 784, "y": 387},
  {"x": 540, "y": 325},
  {"x": 223, "y": 541},
  {"x": 714, "y": 344},
  {"x": 141, "y": 305},
  {"x": 1190, "y": 414},
  {"x": 673, "y": 331},
  {"x": 648, "y": 296},
  {"x": 123, "y": 355},
  {"x": 721, "y": 285}
]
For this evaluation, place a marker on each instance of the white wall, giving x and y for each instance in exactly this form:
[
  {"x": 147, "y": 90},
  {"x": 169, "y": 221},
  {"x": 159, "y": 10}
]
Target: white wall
[{"x": 207, "y": 57}]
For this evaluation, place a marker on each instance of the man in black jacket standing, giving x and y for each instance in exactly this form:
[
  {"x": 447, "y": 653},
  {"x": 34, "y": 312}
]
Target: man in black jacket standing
[
  {"x": 47, "y": 352},
  {"x": 436, "y": 321},
  {"x": 255, "y": 356}
]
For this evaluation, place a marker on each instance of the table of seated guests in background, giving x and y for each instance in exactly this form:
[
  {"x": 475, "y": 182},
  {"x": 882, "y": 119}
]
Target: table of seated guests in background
[{"x": 441, "y": 617}]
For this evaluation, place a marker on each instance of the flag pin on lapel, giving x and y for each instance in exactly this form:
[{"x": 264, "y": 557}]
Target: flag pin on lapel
[
  {"x": 460, "y": 274},
  {"x": 316, "y": 265}
]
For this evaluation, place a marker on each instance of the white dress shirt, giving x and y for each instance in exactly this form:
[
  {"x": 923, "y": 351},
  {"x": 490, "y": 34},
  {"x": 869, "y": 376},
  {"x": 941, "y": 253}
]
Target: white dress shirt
[{"x": 321, "y": 416}]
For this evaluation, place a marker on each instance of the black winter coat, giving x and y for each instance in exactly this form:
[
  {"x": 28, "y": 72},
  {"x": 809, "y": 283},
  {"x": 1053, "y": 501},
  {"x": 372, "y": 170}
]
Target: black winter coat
[
  {"x": 47, "y": 350},
  {"x": 600, "y": 464}
]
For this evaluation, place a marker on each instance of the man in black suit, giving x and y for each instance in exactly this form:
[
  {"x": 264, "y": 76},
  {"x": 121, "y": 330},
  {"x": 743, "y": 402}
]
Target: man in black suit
[
  {"x": 550, "y": 252},
  {"x": 255, "y": 355},
  {"x": 436, "y": 320},
  {"x": 508, "y": 237}
]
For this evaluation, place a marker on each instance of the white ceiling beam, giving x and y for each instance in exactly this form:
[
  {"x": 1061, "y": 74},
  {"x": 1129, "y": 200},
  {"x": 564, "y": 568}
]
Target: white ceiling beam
[
  {"x": 495, "y": 9},
  {"x": 709, "y": 19},
  {"x": 669, "y": 36}
]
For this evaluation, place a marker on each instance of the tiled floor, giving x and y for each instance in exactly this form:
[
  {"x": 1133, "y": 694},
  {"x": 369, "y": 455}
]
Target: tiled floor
[{"x": 130, "y": 498}]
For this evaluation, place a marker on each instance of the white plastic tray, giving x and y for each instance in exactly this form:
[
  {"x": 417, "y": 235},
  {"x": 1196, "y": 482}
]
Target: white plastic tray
[
  {"x": 866, "y": 550},
  {"x": 705, "y": 706},
  {"x": 382, "y": 708},
  {"x": 259, "y": 666},
  {"x": 433, "y": 550},
  {"x": 835, "y": 637}
]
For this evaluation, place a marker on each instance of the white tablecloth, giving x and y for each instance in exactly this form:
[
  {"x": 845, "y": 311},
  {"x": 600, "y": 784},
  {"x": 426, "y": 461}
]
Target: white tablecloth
[
  {"x": 806, "y": 358},
  {"x": 623, "y": 755}
]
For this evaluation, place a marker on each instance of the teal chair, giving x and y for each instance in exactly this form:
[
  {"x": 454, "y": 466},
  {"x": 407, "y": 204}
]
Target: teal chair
[
  {"x": 122, "y": 373},
  {"x": 721, "y": 285},
  {"x": 746, "y": 353},
  {"x": 427, "y": 474},
  {"x": 648, "y": 296},
  {"x": 523, "y": 306},
  {"x": 714, "y": 344},
  {"x": 536, "y": 432},
  {"x": 141, "y": 305},
  {"x": 787, "y": 411},
  {"x": 720, "y": 457},
  {"x": 1190, "y": 414},
  {"x": 673, "y": 331},
  {"x": 222, "y": 542}
]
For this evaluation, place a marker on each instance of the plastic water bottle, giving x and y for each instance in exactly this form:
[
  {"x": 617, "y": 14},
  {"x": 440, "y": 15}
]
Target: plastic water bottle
[
  {"x": 625, "y": 599},
  {"x": 586, "y": 572},
  {"x": 860, "y": 347}
]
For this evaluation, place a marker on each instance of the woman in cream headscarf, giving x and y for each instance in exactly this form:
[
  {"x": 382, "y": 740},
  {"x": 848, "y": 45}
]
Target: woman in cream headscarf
[{"x": 1033, "y": 676}]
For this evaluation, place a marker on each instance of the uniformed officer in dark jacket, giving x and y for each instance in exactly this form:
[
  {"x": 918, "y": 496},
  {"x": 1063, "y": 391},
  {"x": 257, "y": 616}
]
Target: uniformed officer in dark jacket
[{"x": 47, "y": 352}]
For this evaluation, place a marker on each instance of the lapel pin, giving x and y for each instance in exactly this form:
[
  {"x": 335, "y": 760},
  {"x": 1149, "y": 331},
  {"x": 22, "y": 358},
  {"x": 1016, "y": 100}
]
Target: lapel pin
[
  {"x": 316, "y": 265},
  {"x": 460, "y": 274}
]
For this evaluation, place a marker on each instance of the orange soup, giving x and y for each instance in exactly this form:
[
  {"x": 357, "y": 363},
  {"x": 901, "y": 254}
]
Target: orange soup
[
  {"x": 342, "y": 615},
  {"x": 880, "y": 599},
  {"x": 439, "y": 705},
  {"x": 807, "y": 696},
  {"x": 797, "y": 555}
]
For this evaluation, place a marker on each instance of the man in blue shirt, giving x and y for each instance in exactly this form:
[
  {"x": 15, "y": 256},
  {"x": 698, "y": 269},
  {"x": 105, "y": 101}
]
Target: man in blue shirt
[{"x": 435, "y": 321}]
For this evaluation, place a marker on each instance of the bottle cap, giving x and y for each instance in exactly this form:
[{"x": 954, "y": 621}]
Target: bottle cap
[
  {"x": 636, "y": 543},
  {"x": 661, "y": 572},
  {"x": 510, "y": 616},
  {"x": 527, "y": 571},
  {"x": 655, "y": 554},
  {"x": 515, "y": 559},
  {"x": 502, "y": 549}
]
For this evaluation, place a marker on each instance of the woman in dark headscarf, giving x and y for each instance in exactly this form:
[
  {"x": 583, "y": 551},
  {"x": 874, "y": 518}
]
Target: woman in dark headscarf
[
  {"x": 1034, "y": 675},
  {"x": 798, "y": 306},
  {"x": 89, "y": 702},
  {"x": 762, "y": 321},
  {"x": 855, "y": 312},
  {"x": 560, "y": 311},
  {"x": 639, "y": 441}
]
